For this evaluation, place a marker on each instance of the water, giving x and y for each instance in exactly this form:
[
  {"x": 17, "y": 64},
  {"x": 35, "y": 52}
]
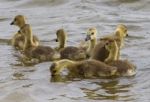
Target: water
[{"x": 34, "y": 84}]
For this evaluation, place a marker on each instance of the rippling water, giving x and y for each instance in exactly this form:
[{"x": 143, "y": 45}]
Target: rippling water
[{"x": 34, "y": 84}]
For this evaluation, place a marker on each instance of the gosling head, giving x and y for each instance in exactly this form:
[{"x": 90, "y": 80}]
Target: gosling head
[
  {"x": 19, "y": 21},
  {"x": 61, "y": 34},
  {"x": 91, "y": 34},
  {"x": 122, "y": 29},
  {"x": 110, "y": 44},
  {"x": 55, "y": 69}
]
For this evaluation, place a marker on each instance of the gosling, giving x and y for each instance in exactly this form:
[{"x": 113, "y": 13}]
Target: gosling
[
  {"x": 40, "y": 53},
  {"x": 124, "y": 67},
  {"x": 18, "y": 39},
  {"x": 92, "y": 40},
  {"x": 120, "y": 34},
  {"x": 86, "y": 69},
  {"x": 69, "y": 52}
]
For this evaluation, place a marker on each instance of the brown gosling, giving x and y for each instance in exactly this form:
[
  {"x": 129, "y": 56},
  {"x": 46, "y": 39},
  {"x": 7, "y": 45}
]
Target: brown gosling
[
  {"x": 86, "y": 68},
  {"x": 69, "y": 52},
  {"x": 18, "y": 39},
  {"x": 41, "y": 53},
  {"x": 124, "y": 67},
  {"x": 99, "y": 52}
]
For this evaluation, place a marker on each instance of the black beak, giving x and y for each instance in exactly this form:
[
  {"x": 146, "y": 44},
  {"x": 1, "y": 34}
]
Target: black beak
[
  {"x": 52, "y": 75},
  {"x": 127, "y": 35},
  {"x": 56, "y": 40},
  {"x": 12, "y": 23},
  {"x": 88, "y": 37}
]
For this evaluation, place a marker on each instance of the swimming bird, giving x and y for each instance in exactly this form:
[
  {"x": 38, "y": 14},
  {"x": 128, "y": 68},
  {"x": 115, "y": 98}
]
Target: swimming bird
[
  {"x": 124, "y": 67},
  {"x": 92, "y": 38},
  {"x": 86, "y": 68},
  {"x": 41, "y": 53},
  {"x": 18, "y": 39},
  {"x": 120, "y": 34},
  {"x": 69, "y": 52}
]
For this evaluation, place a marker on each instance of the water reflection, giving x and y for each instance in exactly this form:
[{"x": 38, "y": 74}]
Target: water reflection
[
  {"x": 60, "y": 78},
  {"x": 105, "y": 89},
  {"x": 128, "y": 1},
  {"x": 109, "y": 90}
]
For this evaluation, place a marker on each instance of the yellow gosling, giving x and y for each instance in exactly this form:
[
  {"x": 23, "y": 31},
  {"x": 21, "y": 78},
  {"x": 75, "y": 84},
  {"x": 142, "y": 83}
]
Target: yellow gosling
[
  {"x": 113, "y": 49},
  {"x": 86, "y": 69},
  {"x": 122, "y": 28},
  {"x": 124, "y": 67},
  {"x": 18, "y": 39},
  {"x": 69, "y": 52},
  {"x": 92, "y": 38},
  {"x": 86, "y": 43},
  {"x": 41, "y": 53},
  {"x": 120, "y": 33}
]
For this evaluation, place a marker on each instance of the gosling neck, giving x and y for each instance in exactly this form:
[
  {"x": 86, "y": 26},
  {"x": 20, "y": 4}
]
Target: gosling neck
[
  {"x": 29, "y": 41},
  {"x": 113, "y": 54},
  {"x": 64, "y": 64},
  {"x": 62, "y": 41},
  {"x": 119, "y": 34},
  {"x": 91, "y": 46}
]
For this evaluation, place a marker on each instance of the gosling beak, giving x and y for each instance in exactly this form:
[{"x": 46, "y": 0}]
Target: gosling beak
[
  {"x": 52, "y": 75},
  {"x": 127, "y": 35},
  {"x": 56, "y": 40},
  {"x": 12, "y": 23},
  {"x": 88, "y": 37}
]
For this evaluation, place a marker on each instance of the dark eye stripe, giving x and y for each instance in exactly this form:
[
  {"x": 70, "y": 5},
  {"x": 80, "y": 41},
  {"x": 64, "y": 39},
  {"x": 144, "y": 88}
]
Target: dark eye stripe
[{"x": 92, "y": 33}]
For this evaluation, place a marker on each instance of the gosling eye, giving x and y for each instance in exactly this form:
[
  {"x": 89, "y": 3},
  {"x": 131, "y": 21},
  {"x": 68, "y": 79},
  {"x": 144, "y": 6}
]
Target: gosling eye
[
  {"x": 92, "y": 33},
  {"x": 19, "y": 31},
  {"x": 127, "y": 34},
  {"x": 107, "y": 43}
]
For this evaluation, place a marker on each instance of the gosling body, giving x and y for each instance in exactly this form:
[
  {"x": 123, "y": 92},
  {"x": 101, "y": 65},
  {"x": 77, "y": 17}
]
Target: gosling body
[
  {"x": 124, "y": 67},
  {"x": 100, "y": 53},
  {"x": 86, "y": 69},
  {"x": 41, "y": 53},
  {"x": 69, "y": 52}
]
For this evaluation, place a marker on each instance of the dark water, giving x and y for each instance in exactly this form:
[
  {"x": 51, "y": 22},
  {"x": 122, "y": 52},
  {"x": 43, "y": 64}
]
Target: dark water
[{"x": 34, "y": 84}]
